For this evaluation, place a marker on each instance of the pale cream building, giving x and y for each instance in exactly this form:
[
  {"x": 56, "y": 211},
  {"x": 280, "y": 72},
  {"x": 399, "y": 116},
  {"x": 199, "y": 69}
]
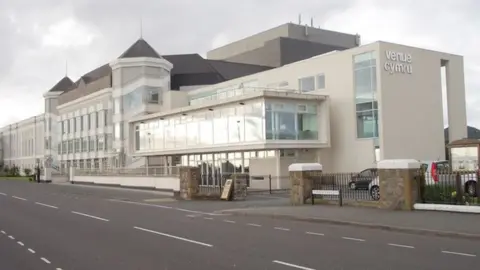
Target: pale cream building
[{"x": 344, "y": 109}]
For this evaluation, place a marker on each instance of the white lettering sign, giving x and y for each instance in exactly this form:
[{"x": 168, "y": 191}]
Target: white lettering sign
[{"x": 398, "y": 62}]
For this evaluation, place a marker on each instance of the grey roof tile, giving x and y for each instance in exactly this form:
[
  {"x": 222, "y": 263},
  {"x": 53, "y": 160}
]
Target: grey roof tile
[
  {"x": 64, "y": 84},
  {"x": 140, "y": 49}
]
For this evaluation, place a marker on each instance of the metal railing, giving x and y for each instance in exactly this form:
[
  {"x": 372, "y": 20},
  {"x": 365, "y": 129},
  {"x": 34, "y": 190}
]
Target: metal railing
[
  {"x": 448, "y": 187},
  {"x": 143, "y": 171},
  {"x": 352, "y": 186}
]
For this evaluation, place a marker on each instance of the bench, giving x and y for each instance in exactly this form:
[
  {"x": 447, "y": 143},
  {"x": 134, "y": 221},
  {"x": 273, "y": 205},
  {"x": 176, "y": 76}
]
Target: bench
[{"x": 327, "y": 192}]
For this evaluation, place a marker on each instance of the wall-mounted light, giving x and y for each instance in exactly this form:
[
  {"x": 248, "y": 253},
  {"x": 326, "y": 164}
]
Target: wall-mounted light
[
  {"x": 161, "y": 118},
  {"x": 242, "y": 103},
  {"x": 184, "y": 114},
  {"x": 142, "y": 122},
  {"x": 210, "y": 109}
]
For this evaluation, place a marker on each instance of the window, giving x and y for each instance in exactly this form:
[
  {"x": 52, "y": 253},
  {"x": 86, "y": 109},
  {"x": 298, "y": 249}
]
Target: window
[
  {"x": 81, "y": 124},
  {"x": 321, "y": 81},
  {"x": 77, "y": 146},
  {"x": 75, "y": 124},
  {"x": 97, "y": 118},
  {"x": 105, "y": 117},
  {"x": 91, "y": 123},
  {"x": 85, "y": 145},
  {"x": 92, "y": 143},
  {"x": 100, "y": 143},
  {"x": 365, "y": 95},
  {"x": 306, "y": 84}
]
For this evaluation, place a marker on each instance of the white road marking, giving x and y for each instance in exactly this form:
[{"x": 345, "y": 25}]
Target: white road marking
[
  {"x": 254, "y": 225},
  {"x": 354, "y": 239},
  {"x": 174, "y": 237},
  {"x": 293, "y": 265},
  {"x": 314, "y": 233},
  {"x": 31, "y": 251},
  {"x": 281, "y": 229},
  {"x": 46, "y": 205},
  {"x": 191, "y": 216},
  {"x": 11, "y": 237},
  {"x": 402, "y": 246},
  {"x": 460, "y": 254},
  {"x": 20, "y": 243},
  {"x": 90, "y": 216},
  {"x": 229, "y": 221},
  {"x": 19, "y": 198},
  {"x": 144, "y": 204},
  {"x": 45, "y": 260},
  {"x": 59, "y": 269},
  {"x": 4, "y": 232},
  {"x": 1, "y": 193},
  {"x": 208, "y": 218}
]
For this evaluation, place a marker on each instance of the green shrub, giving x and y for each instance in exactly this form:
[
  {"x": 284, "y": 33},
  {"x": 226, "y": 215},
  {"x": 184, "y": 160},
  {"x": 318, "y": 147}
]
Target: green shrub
[
  {"x": 27, "y": 171},
  {"x": 439, "y": 194}
]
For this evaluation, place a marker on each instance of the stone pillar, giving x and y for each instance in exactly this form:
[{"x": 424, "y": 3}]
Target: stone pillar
[
  {"x": 398, "y": 188},
  {"x": 301, "y": 180},
  {"x": 239, "y": 186},
  {"x": 189, "y": 182}
]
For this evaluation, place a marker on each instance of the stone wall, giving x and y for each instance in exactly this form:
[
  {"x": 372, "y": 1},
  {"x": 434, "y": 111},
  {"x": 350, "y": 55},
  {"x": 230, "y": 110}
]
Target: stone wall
[
  {"x": 302, "y": 185},
  {"x": 189, "y": 182},
  {"x": 398, "y": 188}
]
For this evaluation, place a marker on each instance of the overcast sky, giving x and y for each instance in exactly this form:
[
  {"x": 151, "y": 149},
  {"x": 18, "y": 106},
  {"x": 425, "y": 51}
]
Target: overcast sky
[{"x": 38, "y": 36}]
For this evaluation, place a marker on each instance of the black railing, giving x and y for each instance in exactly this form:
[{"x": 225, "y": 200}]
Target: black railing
[
  {"x": 448, "y": 187},
  {"x": 353, "y": 186}
]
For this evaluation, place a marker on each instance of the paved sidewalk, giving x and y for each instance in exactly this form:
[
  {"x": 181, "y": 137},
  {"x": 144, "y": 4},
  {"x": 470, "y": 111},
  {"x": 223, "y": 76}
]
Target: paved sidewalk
[{"x": 429, "y": 222}]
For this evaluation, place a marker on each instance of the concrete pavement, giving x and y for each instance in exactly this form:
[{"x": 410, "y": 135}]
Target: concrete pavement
[{"x": 81, "y": 231}]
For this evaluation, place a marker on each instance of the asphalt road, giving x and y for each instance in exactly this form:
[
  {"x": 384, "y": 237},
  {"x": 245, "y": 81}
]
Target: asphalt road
[{"x": 69, "y": 227}]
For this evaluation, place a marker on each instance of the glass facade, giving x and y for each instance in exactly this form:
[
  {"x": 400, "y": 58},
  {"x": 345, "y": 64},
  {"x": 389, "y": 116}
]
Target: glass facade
[
  {"x": 291, "y": 121},
  {"x": 365, "y": 77},
  {"x": 243, "y": 123},
  {"x": 252, "y": 122}
]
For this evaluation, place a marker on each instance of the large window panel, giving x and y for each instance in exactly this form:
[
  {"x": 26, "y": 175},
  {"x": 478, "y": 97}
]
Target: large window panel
[
  {"x": 206, "y": 132},
  {"x": 220, "y": 126},
  {"x": 306, "y": 84},
  {"x": 307, "y": 126},
  {"x": 180, "y": 134},
  {"x": 192, "y": 133},
  {"x": 159, "y": 136},
  {"x": 236, "y": 129},
  {"x": 169, "y": 134},
  {"x": 367, "y": 126}
]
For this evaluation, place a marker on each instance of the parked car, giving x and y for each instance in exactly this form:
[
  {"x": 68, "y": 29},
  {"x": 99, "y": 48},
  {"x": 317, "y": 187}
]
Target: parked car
[
  {"x": 439, "y": 172},
  {"x": 374, "y": 189},
  {"x": 362, "y": 180}
]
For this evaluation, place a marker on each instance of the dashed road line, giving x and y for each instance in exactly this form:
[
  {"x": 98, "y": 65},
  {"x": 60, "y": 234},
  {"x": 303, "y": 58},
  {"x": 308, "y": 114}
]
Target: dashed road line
[
  {"x": 174, "y": 237},
  {"x": 46, "y": 205},
  {"x": 292, "y": 265},
  {"x": 400, "y": 246},
  {"x": 459, "y": 253},
  {"x": 229, "y": 221},
  {"x": 208, "y": 218},
  {"x": 3, "y": 194},
  {"x": 354, "y": 239},
  {"x": 281, "y": 229},
  {"x": 314, "y": 233},
  {"x": 31, "y": 251},
  {"x": 19, "y": 198},
  {"x": 254, "y": 225},
  {"x": 45, "y": 260},
  {"x": 21, "y": 244},
  {"x": 90, "y": 216},
  {"x": 191, "y": 216},
  {"x": 3, "y": 232},
  {"x": 11, "y": 237}
]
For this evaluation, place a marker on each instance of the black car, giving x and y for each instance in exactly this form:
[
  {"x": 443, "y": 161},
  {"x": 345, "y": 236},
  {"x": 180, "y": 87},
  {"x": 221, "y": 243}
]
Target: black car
[{"x": 362, "y": 179}]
